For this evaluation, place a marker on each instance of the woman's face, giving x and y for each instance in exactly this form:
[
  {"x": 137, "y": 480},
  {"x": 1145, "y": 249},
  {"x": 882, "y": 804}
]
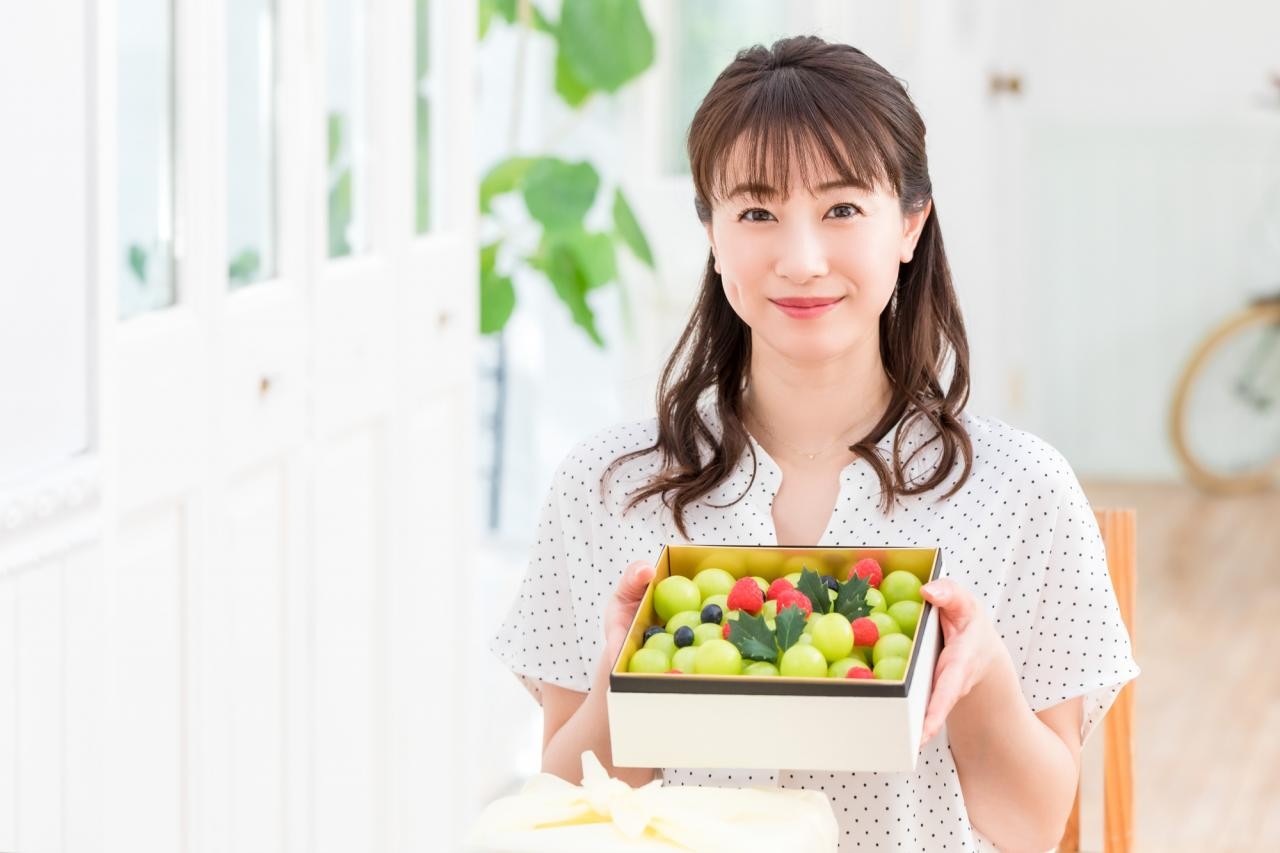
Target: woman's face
[{"x": 811, "y": 274}]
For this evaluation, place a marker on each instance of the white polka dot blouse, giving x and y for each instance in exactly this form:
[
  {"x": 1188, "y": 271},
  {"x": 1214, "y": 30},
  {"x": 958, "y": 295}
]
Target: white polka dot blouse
[{"x": 1020, "y": 535}]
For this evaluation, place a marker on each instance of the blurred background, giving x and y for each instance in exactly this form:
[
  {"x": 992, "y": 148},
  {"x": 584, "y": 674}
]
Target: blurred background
[{"x": 305, "y": 301}]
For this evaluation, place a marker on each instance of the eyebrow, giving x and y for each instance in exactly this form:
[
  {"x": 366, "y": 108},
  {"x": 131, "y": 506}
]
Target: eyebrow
[{"x": 765, "y": 191}]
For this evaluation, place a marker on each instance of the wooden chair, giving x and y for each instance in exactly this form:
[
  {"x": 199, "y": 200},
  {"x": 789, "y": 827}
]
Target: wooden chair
[{"x": 1118, "y": 529}]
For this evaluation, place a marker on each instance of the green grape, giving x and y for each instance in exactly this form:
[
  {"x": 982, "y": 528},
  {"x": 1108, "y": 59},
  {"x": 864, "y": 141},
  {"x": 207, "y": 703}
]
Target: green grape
[
  {"x": 705, "y": 631},
  {"x": 907, "y": 615},
  {"x": 649, "y": 660},
  {"x": 664, "y": 643},
  {"x": 794, "y": 577},
  {"x": 722, "y": 601},
  {"x": 683, "y": 659},
  {"x": 840, "y": 668},
  {"x": 770, "y": 610},
  {"x": 900, "y": 586},
  {"x": 891, "y": 669},
  {"x": 810, "y": 621},
  {"x": 891, "y": 646},
  {"x": 831, "y": 635},
  {"x": 674, "y": 595},
  {"x": 713, "y": 582},
  {"x": 803, "y": 661},
  {"x": 717, "y": 657},
  {"x": 761, "y": 582},
  {"x": 759, "y": 667},
  {"x": 807, "y": 639},
  {"x": 692, "y": 618},
  {"x": 886, "y": 623},
  {"x": 875, "y": 600}
]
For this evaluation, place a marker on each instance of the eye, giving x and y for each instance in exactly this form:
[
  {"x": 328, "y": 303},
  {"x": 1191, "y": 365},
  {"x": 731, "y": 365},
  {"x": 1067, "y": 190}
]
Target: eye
[
  {"x": 845, "y": 211},
  {"x": 745, "y": 216}
]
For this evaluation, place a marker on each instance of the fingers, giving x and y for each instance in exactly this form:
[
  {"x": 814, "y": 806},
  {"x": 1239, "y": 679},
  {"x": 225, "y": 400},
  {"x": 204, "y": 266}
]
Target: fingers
[
  {"x": 955, "y": 602},
  {"x": 635, "y": 578},
  {"x": 947, "y": 690}
]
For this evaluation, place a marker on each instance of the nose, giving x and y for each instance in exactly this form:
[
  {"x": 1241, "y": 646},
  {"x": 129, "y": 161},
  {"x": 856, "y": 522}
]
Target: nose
[{"x": 801, "y": 255}]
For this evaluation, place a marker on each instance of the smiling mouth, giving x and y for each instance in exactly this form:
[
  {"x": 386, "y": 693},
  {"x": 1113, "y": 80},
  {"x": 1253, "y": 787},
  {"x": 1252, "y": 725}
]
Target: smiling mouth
[{"x": 807, "y": 301}]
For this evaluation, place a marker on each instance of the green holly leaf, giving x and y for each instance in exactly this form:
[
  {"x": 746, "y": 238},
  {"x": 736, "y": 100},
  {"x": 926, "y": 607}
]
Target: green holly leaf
[
  {"x": 851, "y": 601},
  {"x": 790, "y": 625},
  {"x": 753, "y": 638},
  {"x": 814, "y": 589},
  {"x": 627, "y": 227}
]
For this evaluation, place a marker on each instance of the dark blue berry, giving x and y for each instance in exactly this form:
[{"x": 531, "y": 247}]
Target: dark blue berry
[
  {"x": 831, "y": 582},
  {"x": 651, "y": 630},
  {"x": 712, "y": 613},
  {"x": 684, "y": 636}
]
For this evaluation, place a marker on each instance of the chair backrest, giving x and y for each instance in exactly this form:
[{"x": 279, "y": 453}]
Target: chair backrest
[{"x": 1118, "y": 528}]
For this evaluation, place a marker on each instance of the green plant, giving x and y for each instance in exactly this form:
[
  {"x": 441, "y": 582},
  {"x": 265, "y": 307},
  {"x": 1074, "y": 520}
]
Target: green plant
[{"x": 601, "y": 45}]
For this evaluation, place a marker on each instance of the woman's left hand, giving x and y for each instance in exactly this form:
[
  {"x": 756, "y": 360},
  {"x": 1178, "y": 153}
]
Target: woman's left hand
[{"x": 970, "y": 647}]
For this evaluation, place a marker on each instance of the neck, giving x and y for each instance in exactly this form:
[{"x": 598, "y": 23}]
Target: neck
[{"x": 811, "y": 406}]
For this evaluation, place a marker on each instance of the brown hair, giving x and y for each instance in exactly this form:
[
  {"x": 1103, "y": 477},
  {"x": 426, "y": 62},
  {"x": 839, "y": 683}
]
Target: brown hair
[{"x": 805, "y": 96}]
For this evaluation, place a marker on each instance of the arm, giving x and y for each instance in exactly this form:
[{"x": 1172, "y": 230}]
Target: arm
[
  {"x": 1018, "y": 770},
  {"x": 574, "y": 722}
]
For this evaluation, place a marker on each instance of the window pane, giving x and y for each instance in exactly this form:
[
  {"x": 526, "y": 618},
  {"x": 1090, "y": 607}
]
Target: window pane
[
  {"x": 251, "y": 142},
  {"x": 422, "y": 102},
  {"x": 708, "y": 35},
  {"x": 345, "y": 100},
  {"x": 145, "y": 156}
]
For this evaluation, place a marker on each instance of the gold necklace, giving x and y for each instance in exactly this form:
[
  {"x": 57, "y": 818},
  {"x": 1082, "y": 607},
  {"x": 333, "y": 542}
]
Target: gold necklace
[{"x": 806, "y": 454}]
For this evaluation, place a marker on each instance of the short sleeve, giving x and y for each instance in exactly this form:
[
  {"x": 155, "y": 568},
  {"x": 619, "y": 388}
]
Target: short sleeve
[
  {"x": 1079, "y": 645},
  {"x": 538, "y": 638}
]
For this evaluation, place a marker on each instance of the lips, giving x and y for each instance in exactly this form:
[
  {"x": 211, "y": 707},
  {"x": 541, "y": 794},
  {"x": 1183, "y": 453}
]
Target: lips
[{"x": 807, "y": 301}]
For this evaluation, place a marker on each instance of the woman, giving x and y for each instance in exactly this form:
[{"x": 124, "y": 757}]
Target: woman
[{"x": 817, "y": 397}]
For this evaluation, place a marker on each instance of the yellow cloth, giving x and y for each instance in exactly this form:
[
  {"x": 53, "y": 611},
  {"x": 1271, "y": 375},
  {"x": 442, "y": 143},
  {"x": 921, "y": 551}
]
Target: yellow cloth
[{"x": 605, "y": 815}]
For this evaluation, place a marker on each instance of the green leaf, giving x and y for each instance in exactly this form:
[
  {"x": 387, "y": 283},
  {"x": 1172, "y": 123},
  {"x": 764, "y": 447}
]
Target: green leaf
[
  {"x": 506, "y": 176},
  {"x": 340, "y": 216},
  {"x": 335, "y": 137},
  {"x": 559, "y": 194},
  {"x": 138, "y": 262},
  {"x": 244, "y": 266},
  {"x": 851, "y": 601},
  {"x": 570, "y": 89},
  {"x": 628, "y": 228},
  {"x": 814, "y": 589},
  {"x": 497, "y": 302},
  {"x": 790, "y": 625},
  {"x": 606, "y": 43},
  {"x": 753, "y": 638},
  {"x": 560, "y": 264},
  {"x": 506, "y": 9},
  {"x": 596, "y": 258}
]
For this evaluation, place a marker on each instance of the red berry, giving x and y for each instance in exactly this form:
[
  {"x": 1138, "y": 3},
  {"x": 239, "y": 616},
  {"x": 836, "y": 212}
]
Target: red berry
[
  {"x": 859, "y": 672},
  {"x": 865, "y": 631},
  {"x": 869, "y": 570},
  {"x": 778, "y": 587},
  {"x": 746, "y": 595},
  {"x": 794, "y": 597},
  {"x": 724, "y": 632}
]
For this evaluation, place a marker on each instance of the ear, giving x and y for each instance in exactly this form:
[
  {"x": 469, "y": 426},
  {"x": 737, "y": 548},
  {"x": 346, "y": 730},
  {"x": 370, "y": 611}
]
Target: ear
[
  {"x": 711, "y": 238},
  {"x": 913, "y": 224}
]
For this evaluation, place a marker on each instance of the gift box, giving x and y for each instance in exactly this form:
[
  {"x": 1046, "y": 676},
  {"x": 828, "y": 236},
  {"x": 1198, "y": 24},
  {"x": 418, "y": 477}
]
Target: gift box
[{"x": 738, "y": 721}]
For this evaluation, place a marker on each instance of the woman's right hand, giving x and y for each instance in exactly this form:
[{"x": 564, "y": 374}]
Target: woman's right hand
[{"x": 621, "y": 609}]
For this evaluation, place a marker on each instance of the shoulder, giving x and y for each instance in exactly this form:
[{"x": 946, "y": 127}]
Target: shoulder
[
  {"x": 609, "y": 450},
  {"x": 1021, "y": 454}
]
